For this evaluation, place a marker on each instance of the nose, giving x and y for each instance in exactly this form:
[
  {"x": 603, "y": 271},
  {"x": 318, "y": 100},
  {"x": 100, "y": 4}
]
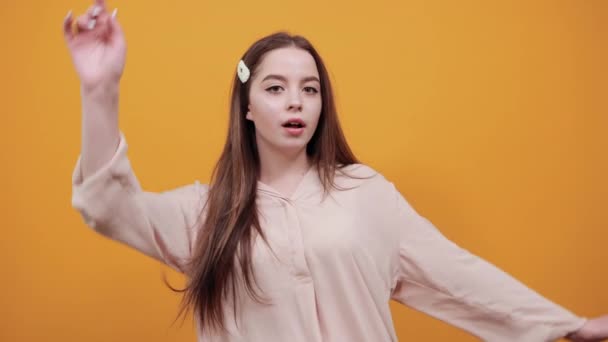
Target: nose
[{"x": 294, "y": 101}]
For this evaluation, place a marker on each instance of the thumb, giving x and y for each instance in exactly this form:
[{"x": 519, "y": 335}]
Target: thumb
[{"x": 67, "y": 27}]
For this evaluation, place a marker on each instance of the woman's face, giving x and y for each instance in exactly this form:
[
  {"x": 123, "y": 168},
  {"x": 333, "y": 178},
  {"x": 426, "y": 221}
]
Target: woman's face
[{"x": 285, "y": 100}]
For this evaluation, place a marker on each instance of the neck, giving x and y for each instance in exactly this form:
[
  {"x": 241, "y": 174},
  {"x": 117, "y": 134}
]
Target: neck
[{"x": 282, "y": 170}]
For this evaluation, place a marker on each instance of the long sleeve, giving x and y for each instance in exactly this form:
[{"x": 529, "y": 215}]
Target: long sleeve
[
  {"x": 437, "y": 277},
  {"x": 160, "y": 225}
]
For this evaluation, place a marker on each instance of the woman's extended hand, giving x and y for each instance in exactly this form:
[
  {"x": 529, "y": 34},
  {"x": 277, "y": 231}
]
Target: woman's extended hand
[{"x": 595, "y": 330}]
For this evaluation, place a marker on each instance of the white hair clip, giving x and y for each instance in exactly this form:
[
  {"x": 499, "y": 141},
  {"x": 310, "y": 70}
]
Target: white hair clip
[{"x": 243, "y": 71}]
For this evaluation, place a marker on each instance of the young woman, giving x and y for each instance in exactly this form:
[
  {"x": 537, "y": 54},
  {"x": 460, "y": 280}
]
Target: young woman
[{"x": 293, "y": 239}]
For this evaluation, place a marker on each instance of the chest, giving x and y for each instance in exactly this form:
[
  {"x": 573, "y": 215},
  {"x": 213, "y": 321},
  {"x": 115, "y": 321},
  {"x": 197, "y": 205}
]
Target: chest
[{"x": 311, "y": 241}]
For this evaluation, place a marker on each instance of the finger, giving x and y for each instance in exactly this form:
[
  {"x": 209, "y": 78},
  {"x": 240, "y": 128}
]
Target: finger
[
  {"x": 103, "y": 26},
  {"x": 101, "y": 3},
  {"x": 114, "y": 25},
  {"x": 85, "y": 23},
  {"x": 95, "y": 10},
  {"x": 67, "y": 26}
]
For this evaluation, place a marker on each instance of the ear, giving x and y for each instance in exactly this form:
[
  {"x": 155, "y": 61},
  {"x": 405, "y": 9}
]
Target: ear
[{"x": 248, "y": 115}]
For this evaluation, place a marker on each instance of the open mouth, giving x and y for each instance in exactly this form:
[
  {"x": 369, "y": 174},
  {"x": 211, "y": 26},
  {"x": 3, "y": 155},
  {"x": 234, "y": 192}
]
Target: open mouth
[{"x": 293, "y": 125}]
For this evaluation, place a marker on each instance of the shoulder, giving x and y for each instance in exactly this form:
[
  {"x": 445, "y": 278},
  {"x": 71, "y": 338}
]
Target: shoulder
[
  {"x": 358, "y": 169},
  {"x": 364, "y": 178}
]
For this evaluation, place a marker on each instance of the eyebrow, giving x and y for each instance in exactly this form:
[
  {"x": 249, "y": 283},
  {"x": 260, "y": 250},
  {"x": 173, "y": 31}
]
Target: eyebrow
[{"x": 282, "y": 78}]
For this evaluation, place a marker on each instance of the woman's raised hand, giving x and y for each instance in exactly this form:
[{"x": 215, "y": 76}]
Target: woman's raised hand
[{"x": 97, "y": 46}]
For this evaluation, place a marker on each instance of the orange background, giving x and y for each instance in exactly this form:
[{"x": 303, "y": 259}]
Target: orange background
[{"x": 489, "y": 116}]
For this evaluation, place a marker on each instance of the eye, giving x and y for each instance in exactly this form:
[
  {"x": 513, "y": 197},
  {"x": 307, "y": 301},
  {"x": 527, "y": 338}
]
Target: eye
[
  {"x": 274, "y": 89},
  {"x": 311, "y": 90}
]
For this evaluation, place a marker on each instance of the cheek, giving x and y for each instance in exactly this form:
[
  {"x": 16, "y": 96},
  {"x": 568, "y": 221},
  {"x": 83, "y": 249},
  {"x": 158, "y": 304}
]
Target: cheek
[
  {"x": 316, "y": 111},
  {"x": 264, "y": 110}
]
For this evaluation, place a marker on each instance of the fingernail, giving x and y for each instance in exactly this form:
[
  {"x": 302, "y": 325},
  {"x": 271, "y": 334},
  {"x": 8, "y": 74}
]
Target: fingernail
[
  {"x": 91, "y": 24},
  {"x": 96, "y": 11},
  {"x": 114, "y": 13},
  {"x": 67, "y": 16}
]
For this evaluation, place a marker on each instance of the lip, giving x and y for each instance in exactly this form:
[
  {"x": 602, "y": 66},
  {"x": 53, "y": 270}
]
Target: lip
[
  {"x": 294, "y": 131},
  {"x": 296, "y": 120}
]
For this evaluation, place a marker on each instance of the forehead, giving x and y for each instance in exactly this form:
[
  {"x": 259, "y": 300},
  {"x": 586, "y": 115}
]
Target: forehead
[{"x": 289, "y": 62}]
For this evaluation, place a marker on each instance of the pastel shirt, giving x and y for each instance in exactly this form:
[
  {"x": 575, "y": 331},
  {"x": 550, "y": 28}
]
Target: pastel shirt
[{"x": 339, "y": 260}]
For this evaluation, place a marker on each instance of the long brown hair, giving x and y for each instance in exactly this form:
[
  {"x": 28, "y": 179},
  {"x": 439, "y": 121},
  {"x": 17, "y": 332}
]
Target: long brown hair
[{"x": 225, "y": 239}]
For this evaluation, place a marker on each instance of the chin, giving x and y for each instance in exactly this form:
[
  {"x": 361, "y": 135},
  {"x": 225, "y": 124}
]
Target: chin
[
  {"x": 292, "y": 145},
  {"x": 284, "y": 144}
]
